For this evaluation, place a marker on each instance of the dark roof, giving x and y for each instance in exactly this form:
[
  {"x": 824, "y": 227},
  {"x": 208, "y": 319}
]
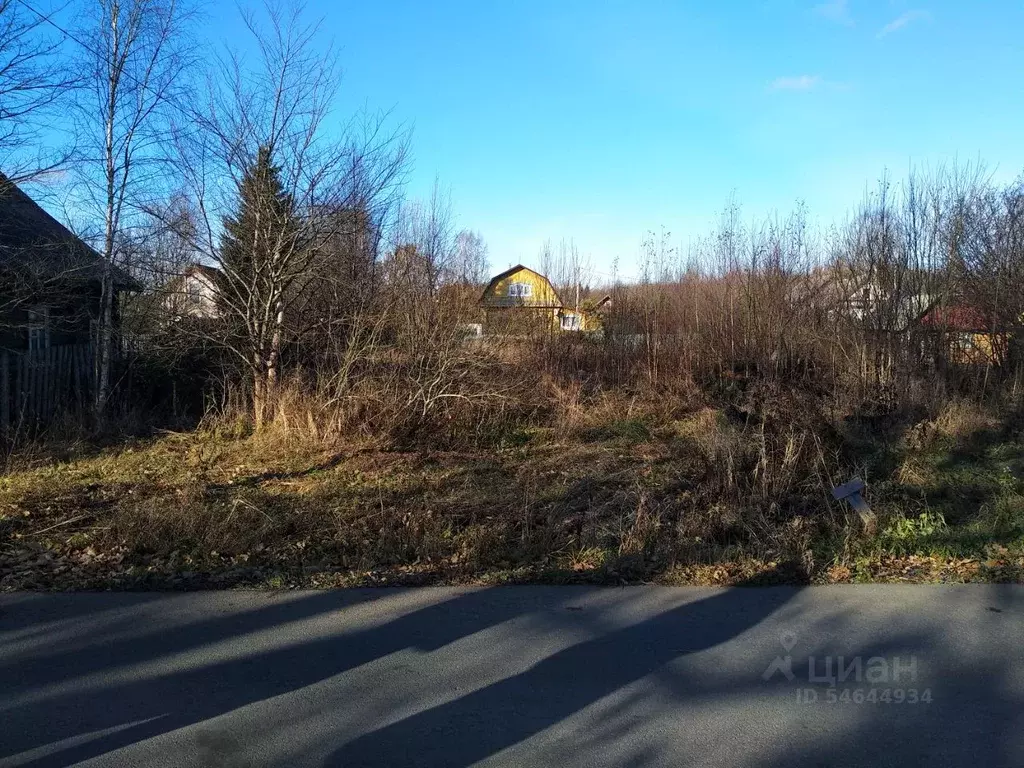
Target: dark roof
[
  {"x": 32, "y": 240},
  {"x": 509, "y": 271}
]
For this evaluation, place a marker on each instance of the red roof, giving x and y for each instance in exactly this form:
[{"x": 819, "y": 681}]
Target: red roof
[{"x": 957, "y": 317}]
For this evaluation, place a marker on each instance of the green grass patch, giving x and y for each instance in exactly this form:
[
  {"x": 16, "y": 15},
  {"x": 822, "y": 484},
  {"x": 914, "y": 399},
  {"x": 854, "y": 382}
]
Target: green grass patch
[{"x": 625, "y": 430}]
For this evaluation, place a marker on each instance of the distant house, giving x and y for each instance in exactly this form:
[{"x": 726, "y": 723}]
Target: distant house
[
  {"x": 839, "y": 290},
  {"x": 194, "y": 293},
  {"x": 879, "y": 308},
  {"x": 50, "y": 280},
  {"x": 521, "y": 299},
  {"x": 970, "y": 335}
]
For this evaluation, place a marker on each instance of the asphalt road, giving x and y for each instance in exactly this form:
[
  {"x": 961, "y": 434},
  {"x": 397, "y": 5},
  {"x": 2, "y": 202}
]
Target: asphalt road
[{"x": 519, "y": 676}]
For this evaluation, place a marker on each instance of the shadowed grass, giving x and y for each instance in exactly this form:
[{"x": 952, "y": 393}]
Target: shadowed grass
[{"x": 701, "y": 499}]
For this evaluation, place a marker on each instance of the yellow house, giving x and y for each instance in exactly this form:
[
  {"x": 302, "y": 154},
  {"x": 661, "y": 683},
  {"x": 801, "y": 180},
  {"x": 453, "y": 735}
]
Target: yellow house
[{"x": 522, "y": 300}]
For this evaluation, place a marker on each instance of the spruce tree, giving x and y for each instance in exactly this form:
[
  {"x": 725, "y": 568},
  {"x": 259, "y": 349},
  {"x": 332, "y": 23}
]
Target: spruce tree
[
  {"x": 257, "y": 255},
  {"x": 263, "y": 226}
]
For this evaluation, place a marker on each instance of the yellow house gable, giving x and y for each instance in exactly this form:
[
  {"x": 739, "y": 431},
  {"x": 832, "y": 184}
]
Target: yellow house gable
[{"x": 520, "y": 287}]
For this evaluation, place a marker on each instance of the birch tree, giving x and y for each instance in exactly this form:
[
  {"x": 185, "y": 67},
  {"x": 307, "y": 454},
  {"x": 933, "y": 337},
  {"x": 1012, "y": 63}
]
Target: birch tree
[{"x": 136, "y": 63}]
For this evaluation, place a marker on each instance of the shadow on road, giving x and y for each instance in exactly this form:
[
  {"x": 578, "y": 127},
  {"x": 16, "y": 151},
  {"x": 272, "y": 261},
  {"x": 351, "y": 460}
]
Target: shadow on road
[
  {"x": 498, "y": 716},
  {"x": 488, "y": 720},
  {"x": 105, "y": 689}
]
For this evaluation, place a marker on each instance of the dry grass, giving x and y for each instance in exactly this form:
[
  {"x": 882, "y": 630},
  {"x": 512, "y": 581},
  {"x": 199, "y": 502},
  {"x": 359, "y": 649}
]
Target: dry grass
[
  {"x": 960, "y": 419},
  {"x": 602, "y": 487},
  {"x": 587, "y": 499}
]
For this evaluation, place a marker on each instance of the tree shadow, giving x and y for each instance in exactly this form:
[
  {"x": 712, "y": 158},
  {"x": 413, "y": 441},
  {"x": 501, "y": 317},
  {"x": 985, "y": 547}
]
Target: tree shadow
[
  {"x": 972, "y": 716},
  {"x": 166, "y": 702},
  {"x": 653, "y": 676},
  {"x": 254, "y": 481},
  {"x": 487, "y": 721},
  {"x": 33, "y": 611},
  {"x": 88, "y": 700}
]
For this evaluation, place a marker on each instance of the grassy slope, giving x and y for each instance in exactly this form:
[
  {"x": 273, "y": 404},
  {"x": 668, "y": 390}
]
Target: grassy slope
[
  {"x": 621, "y": 501},
  {"x": 952, "y": 493}
]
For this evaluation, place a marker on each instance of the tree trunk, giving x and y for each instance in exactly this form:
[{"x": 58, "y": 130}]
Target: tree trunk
[
  {"x": 259, "y": 398},
  {"x": 105, "y": 344},
  {"x": 272, "y": 368},
  {"x": 105, "y": 335}
]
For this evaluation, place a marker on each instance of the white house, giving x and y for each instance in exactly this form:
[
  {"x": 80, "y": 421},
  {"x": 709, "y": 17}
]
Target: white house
[{"x": 194, "y": 293}]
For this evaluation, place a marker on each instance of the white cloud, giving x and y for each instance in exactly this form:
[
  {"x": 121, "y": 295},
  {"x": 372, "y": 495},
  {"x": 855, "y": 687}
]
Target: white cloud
[
  {"x": 835, "y": 10},
  {"x": 903, "y": 20},
  {"x": 797, "y": 83}
]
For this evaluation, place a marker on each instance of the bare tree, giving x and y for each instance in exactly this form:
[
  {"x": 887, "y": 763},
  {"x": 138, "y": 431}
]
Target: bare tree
[
  {"x": 432, "y": 277},
  {"x": 574, "y": 281},
  {"x": 267, "y": 148},
  {"x": 567, "y": 269},
  {"x": 471, "y": 263},
  {"x": 136, "y": 59},
  {"x": 33, "y": 80}
]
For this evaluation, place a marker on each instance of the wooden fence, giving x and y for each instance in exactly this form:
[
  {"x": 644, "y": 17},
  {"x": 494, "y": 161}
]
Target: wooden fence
[{"x": 37, "y": 386}]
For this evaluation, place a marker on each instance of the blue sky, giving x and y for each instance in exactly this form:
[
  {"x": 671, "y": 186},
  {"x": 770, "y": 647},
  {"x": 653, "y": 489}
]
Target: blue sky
[{"x": 599, "y": 120}]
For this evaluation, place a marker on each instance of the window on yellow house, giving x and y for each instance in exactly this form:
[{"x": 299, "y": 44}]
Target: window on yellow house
[
  {"x": 570, "y": 322},
  {"x": 520, "y": 290}
]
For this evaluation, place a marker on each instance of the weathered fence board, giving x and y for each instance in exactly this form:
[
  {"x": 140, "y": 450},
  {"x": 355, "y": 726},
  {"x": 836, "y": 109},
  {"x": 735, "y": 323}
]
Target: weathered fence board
[
  {"x": 5, "y": 391},
  {"x": 38, "y": 385}
]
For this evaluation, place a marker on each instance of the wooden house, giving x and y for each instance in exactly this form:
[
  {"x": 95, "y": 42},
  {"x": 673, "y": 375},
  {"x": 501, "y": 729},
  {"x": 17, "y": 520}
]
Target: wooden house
[
  {"x": 521, "y": 300},
  {"x": 50, "y": 280},
  {"x": 51, "y": 290}
]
